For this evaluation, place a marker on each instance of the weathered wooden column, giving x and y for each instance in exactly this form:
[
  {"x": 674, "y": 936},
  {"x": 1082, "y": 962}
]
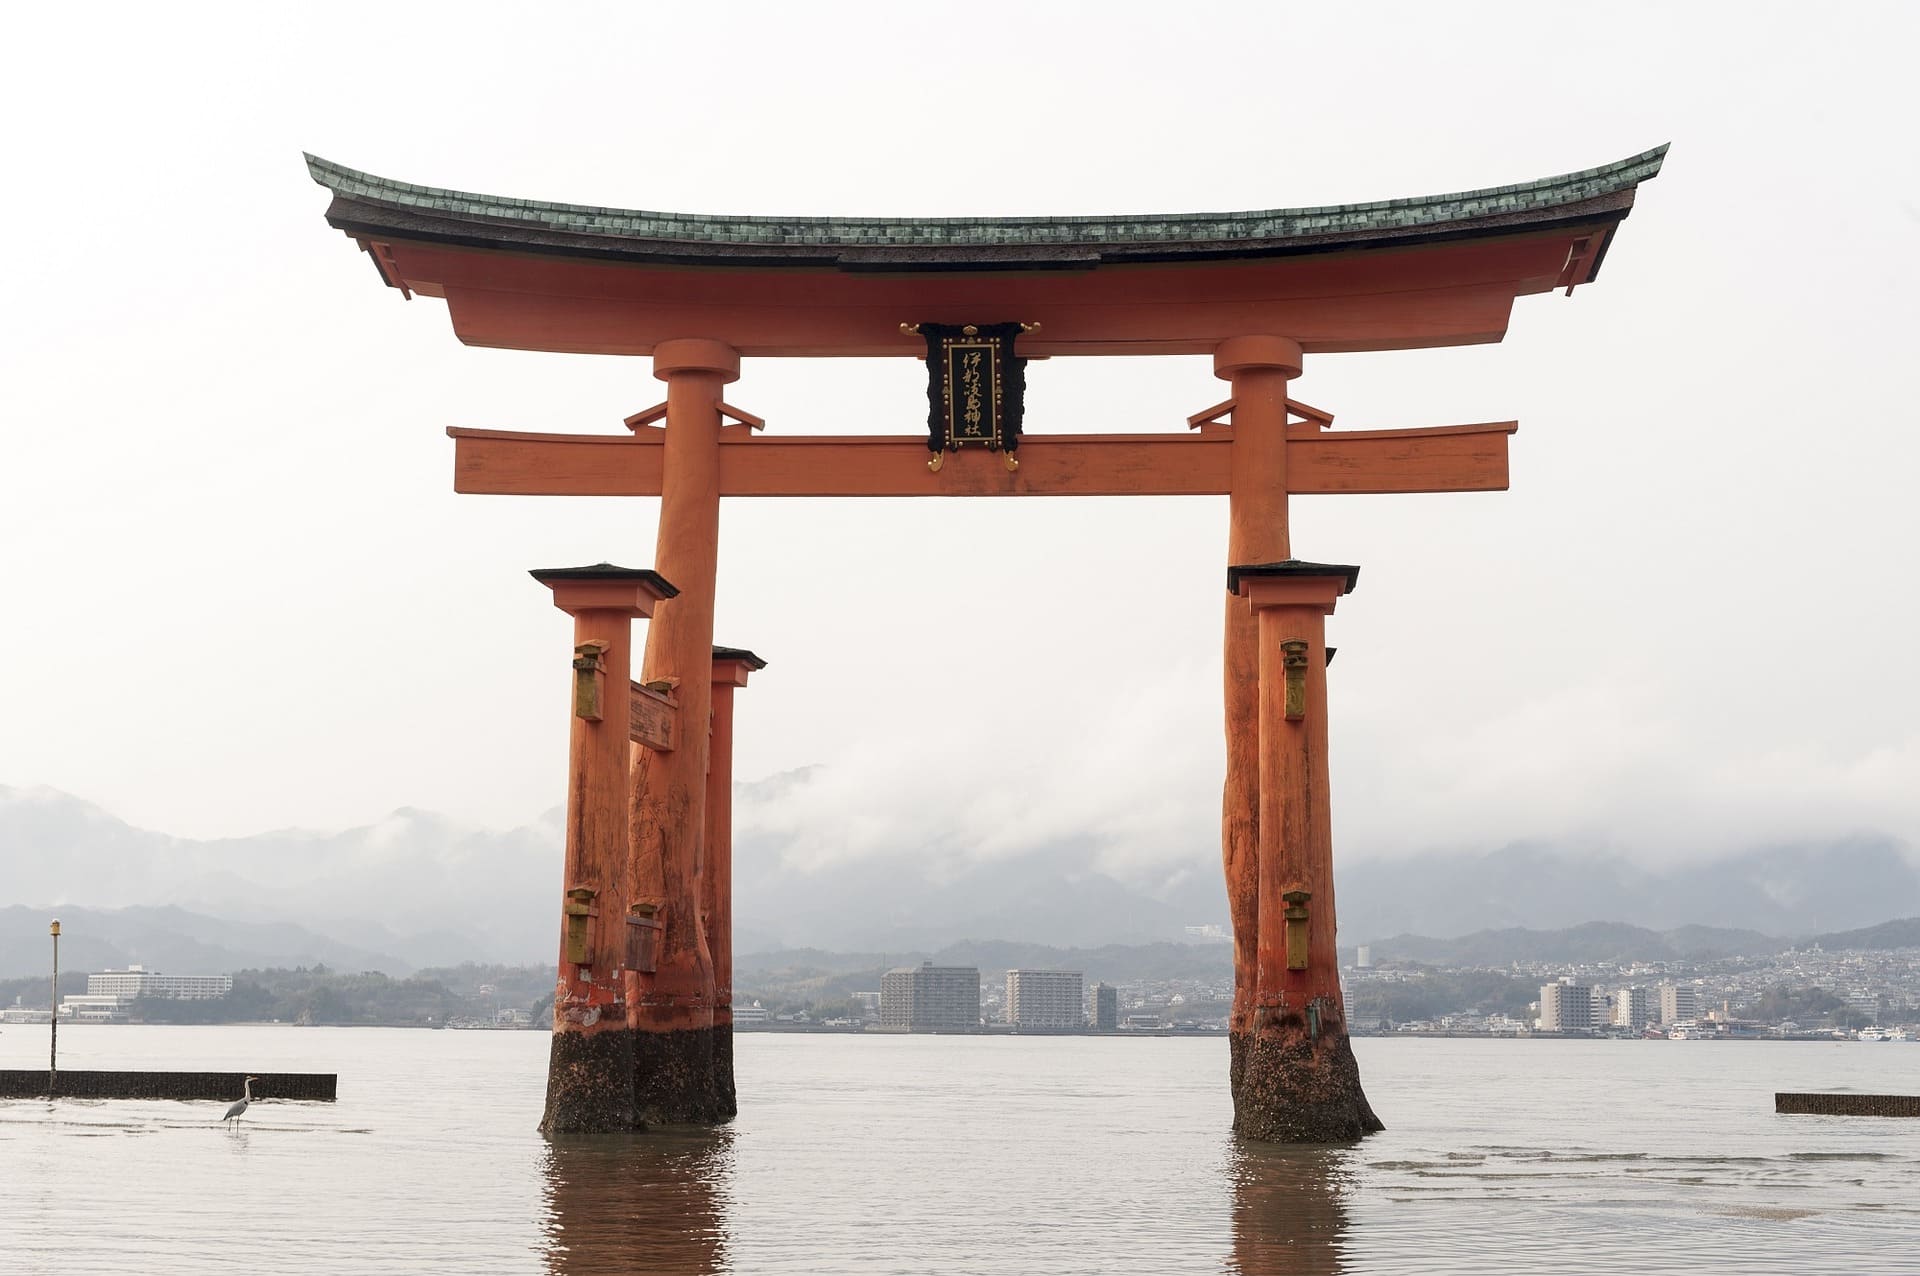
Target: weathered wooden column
[
  {"x": 731, "y": 665},
  {"x": 1258, "y": 369},
  {"x": 671, "y": 1009},
  {"x": 1299, "y": 1082},
  {"x": 590, "y": 1069}
]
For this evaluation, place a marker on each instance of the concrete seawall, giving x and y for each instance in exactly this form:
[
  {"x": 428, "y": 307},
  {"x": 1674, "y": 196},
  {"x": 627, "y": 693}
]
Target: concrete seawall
[
  {"x": 1871, "y": 1105},
  {"x": 23, "y": 1083}
]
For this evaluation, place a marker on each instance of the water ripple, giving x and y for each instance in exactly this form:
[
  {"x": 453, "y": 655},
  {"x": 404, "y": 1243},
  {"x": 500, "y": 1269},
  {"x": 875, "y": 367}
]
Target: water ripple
[{"x": 974, "y": 1155}]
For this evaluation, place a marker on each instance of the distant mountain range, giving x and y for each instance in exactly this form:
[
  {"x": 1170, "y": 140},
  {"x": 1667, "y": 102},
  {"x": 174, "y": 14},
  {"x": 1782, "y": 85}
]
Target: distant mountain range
[
  {"x": 414, "y": 890},
  {"x": 417, "y": 889},
  {"x": 1589, "y": 942},
  {"x": 1789, "y": 890},
  {"x": 173, "y": 940}
]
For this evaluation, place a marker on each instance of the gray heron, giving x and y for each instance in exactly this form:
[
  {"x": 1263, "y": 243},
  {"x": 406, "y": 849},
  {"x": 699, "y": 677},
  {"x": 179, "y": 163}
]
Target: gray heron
[{"x": 246, "y": 1097}]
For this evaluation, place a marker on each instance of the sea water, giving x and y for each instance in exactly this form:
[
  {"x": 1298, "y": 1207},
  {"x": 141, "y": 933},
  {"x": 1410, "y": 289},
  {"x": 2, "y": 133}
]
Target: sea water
[{"x": 922, "y": 1154}]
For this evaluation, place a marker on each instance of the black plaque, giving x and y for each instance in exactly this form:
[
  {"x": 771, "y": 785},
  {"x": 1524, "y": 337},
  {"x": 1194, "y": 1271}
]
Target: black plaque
[{"x": 976, "y": 386}]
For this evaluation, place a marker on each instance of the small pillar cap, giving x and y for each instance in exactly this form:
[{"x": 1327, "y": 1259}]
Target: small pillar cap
[
  {"x": 604, "y": 586},
  {"x": 696, "y": 354},
  {"x": 1295, "y": 569},
  {"x": 608, "y": 571},
  {"x": 731, "y": 665},
  {"x": 741, "y": 654},
  {"x": 1239, "y": 354}
]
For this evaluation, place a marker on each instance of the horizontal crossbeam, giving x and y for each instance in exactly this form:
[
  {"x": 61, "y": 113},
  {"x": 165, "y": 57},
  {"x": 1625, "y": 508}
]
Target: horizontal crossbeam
[{"x": 1455, "y": 458}]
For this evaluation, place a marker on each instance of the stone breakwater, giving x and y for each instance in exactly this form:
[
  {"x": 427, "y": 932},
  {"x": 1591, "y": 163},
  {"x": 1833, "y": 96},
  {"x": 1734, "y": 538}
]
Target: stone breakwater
[
  {"x": 1871, "y": 1105},
  {"x": 25, "y": 1083}
]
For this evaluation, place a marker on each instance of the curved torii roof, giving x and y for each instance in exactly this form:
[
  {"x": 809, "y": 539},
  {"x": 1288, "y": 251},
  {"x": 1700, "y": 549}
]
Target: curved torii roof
[{"x": 1438, "y": 270}]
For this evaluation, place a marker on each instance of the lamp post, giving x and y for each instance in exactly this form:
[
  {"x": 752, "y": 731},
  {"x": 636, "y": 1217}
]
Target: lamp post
[{"x": 53, "y": 1015}]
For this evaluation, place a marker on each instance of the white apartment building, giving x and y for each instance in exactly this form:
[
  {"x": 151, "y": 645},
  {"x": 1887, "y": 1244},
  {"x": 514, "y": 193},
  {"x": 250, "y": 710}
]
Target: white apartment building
[
  {"x": 1632, "y": 1008},
  {"x": 110, "y": 993},
  {"x": 138, "y": 981},
  {"x": 1046, "y": 998}
]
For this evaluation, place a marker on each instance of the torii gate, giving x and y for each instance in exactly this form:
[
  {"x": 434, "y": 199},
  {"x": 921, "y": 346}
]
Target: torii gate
[{"x": 643, "y": 1016}]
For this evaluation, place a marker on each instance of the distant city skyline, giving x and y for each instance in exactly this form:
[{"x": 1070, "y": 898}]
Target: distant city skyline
[{"x": 1805, "y": 992}]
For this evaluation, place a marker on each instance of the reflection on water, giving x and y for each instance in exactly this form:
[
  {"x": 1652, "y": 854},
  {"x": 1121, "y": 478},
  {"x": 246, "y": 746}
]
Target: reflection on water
[
  {"x": 910, "y": 1156},
  {"x": 657, "y": 1202},
  {"x": 1288, "y": 1211},
  {"x": 650, "y": 1202}
]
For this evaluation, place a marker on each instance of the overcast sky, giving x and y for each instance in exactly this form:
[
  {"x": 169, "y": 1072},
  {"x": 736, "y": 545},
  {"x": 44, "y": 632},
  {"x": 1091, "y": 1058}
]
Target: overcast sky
[{"x": 239, "y": 592}]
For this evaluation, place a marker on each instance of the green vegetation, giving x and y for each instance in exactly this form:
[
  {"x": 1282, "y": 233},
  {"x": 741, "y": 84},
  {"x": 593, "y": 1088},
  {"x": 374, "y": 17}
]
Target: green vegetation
[
  {"x": 1428, "y": 994},
  {"x": 321, "y": 996},
  {"x": 32, "y": 989}
]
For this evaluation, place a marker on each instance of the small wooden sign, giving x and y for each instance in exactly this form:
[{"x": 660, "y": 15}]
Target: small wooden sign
[{"x": 650, "y": 718}]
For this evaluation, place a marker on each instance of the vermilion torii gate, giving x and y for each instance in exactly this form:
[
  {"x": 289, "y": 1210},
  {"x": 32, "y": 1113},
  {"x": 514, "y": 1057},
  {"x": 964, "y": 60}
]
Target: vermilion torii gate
[{"x": 643, "y": 1015}]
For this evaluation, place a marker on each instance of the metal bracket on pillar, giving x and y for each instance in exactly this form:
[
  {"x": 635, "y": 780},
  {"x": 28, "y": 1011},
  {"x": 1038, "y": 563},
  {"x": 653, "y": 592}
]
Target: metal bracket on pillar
[
  {"x": 1294, "y": 659},
  {"x": 589, "y": 680},
  {"x": 580, "y": 914},
  {"x": 1296, "y": 918},
  {"x": 643, "y": 939}
]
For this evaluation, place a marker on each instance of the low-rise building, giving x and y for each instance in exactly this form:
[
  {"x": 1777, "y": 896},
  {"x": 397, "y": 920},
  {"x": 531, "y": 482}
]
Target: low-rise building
[{"x": 20, "y": 1012}]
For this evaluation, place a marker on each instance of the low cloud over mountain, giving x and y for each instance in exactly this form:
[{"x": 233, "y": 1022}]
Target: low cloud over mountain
[{"x": 416, "y": 889}]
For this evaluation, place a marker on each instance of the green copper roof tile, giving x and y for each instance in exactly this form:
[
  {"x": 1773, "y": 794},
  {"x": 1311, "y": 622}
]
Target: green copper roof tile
[{"x": 497, "y": 219}]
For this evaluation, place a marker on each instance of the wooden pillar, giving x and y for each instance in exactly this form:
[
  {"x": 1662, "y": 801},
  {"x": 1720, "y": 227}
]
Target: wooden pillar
[
  {"x": 1300, "y": 1082},
  {"x": 731, "y": 665},
  {"x": 590, "y": 1069},
  {"x": 671, "y": 1010},
  {"x": 1258, "y": 369}
]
